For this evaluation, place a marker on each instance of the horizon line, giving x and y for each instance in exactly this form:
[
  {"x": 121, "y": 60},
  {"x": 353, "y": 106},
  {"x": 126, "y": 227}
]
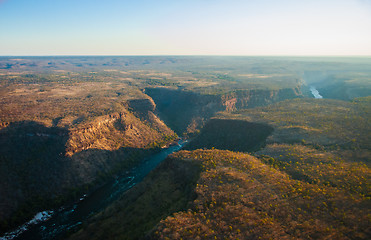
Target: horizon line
[{"x": 179, "y": 55}]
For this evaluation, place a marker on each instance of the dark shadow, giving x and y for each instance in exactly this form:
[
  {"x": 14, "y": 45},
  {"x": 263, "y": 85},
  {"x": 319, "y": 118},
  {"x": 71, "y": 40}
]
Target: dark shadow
[
  {"x": 178, "y": 108},
  {"x": 36, "y": 175},
  {"x": 234, "y": 135},
  {"x": 78, "y": 120},
  {"x": 166, "y": 190},
  {"x": 56, "y": 121},
  {"x": 31, "y": 140},
  {"x": 31, "y": 166}
]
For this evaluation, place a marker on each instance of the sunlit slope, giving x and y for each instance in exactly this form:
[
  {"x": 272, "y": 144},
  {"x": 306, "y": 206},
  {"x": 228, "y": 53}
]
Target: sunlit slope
[
  {"x": 312, "y": 180},
  {"x": 239, "y": 197},
  {"x": 236, "y": 196}
]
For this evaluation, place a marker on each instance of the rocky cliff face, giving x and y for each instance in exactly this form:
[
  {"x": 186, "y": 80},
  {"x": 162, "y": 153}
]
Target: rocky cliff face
[
  {"x": 39, "y": 163},
  {"x": 186, "y": 111},
  {"x": 242, "y": 99},
  {"x": 114, "y": 131}
]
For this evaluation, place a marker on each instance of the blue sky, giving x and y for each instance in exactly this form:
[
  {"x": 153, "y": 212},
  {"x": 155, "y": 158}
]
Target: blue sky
[{"x": 189, "y": 27}]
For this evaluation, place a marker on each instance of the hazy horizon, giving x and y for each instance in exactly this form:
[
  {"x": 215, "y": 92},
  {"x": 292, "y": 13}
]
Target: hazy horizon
[
  {"x": 326, "y": 28},
  {"x": 191, "y": 55}
]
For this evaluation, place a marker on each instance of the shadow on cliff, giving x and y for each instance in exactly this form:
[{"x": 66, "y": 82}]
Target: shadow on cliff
[
  {"x": 180, "y": 109},
  {"x": 30, "y": 166},
  {"x": 186, "y": 111},
  {"x": 31, "y": 154},
  {"x": 234, "y": 135},
  {"x": 36, "y": 175},
  {"x": 168, "y": 189}
]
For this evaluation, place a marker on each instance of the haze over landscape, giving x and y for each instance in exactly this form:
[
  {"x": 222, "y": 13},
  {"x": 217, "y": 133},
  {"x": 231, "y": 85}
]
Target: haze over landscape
[
  {"x": 193, "y": 27},
  {"x": 198, "y": 119}
]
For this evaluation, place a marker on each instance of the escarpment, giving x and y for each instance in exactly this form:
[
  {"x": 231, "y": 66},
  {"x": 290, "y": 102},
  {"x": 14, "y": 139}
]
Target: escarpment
[
  {"x": 119, "y": 130},
  {"x": 40, "y": 164},
  {"x": 186, "y": 111},
  {"x": 241, "y": 99},
  {"x": 298, "y": 188}
]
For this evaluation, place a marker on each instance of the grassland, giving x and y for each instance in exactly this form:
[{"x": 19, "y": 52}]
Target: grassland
[{"x": 208, "y": 75}]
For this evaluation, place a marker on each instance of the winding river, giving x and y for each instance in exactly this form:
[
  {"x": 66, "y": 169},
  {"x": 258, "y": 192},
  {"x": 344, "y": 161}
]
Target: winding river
[{"x": 54, "y": 224}]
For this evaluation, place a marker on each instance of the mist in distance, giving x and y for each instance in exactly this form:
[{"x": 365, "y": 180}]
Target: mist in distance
[{"x": 164, "y": 27}]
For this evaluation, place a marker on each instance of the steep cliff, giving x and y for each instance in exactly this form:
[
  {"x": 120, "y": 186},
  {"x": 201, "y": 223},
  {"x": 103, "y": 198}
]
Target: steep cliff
[
  {"x": 186, "y": 111},
  {"x": 117, "y": 130},
  {"x": 41, "y": 165}
]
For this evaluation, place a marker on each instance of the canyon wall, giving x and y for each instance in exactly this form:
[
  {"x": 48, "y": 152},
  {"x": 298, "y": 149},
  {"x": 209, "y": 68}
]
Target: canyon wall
[
  {"x": 186, "y": 111},
  {"x": 43, "y": 166}
]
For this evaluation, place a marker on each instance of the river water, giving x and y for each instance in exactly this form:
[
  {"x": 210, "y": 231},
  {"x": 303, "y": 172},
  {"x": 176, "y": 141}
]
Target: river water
[
  {"x": 54, "y": 224},
  {"x": 315, "y": 92}
]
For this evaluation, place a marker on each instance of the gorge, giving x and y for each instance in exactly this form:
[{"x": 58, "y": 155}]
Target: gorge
[{"x": 78, "y": 141}]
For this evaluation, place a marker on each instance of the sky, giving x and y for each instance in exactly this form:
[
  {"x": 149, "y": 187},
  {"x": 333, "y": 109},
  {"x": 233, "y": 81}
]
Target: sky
[{"x": 185, "y": 27}]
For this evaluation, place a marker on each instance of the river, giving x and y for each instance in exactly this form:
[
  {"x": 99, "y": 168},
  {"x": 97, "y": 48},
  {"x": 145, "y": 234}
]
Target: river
[
  {"x": 54, "y": 224},
  {"x": 315, "y": 92}
]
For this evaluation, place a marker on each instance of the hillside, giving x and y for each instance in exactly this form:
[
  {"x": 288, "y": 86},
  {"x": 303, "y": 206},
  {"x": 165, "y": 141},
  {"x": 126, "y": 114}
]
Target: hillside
[
  {"x": 238, "y": 197},
  {"x": 166, "y": 190},
  {"x": 309, "y": 181},
  {"x": 45, "y": 161}
]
